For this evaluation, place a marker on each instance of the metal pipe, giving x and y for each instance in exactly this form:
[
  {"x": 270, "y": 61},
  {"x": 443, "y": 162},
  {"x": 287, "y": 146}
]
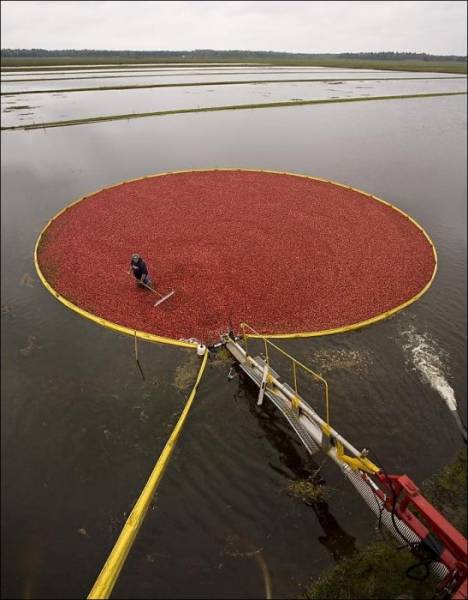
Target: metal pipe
[
  {"x": 308, "y": 411},
  {"x": 313, "y": 373}
]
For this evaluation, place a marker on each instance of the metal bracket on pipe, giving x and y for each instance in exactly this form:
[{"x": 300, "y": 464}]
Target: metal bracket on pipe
[{"x": 263, "y": 385}]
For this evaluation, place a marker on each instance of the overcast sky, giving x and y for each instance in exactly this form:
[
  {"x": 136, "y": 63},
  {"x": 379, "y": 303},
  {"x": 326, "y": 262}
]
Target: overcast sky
[{"x": 306, "y": 26}]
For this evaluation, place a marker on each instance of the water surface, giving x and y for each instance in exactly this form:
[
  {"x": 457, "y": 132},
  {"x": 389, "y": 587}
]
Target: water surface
[
  {"x": 81, "y": 430},
  {"x": 14, "y": 82}
]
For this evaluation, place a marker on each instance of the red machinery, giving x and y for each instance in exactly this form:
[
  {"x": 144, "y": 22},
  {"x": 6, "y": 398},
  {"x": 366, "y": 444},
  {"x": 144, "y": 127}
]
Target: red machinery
[{"x": 439, "y": 541}]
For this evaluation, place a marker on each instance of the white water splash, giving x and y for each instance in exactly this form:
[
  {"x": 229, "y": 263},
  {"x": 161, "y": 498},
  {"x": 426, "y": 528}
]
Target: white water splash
[{"x": 429, "y": 360}]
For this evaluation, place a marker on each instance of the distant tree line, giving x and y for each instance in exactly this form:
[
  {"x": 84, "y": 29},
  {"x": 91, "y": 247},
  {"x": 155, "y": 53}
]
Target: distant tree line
[
  {"x": 223, "y": 54},
  {"x": 400, "y": 56}
]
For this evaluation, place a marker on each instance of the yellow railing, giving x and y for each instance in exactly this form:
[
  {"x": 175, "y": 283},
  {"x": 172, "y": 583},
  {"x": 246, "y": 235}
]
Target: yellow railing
[{"x": 295, "y": 363}]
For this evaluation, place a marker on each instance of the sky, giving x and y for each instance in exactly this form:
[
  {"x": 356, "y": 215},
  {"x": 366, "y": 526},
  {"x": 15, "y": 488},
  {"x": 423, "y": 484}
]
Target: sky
[{"x": 434, "y": 27}]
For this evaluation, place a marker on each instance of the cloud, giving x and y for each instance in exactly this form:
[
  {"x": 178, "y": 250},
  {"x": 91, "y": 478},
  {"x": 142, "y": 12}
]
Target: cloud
[{"x": 437, "y": 27}]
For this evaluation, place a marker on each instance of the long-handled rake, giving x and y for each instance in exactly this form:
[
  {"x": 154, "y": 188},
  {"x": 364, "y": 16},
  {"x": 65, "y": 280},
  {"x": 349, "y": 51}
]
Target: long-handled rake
[{"x": 161, "y": 297}]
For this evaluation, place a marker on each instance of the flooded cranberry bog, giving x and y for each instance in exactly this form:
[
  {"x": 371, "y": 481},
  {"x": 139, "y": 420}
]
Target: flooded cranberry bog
[
  {"x": 81, "y": 430},
  {"x": 292, "y": 254}
]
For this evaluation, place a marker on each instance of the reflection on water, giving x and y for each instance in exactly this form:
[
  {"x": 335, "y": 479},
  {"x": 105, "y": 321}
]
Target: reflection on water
[
  {"x": 81, "y": 429},
  {"x": 295, "y": 460},
  {"x": 336, "y": 540}
]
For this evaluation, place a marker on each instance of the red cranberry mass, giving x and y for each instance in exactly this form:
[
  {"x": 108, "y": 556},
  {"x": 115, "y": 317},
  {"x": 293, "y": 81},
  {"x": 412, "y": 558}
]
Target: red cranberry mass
[{"x": 282, "y": 252}]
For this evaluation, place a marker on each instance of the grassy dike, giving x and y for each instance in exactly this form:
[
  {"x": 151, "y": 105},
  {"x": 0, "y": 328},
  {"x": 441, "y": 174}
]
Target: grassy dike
[
  {"x": 218, "y": 108},
  {"x": 378, "y": 570},
  {"x": 210, "y": 83}
]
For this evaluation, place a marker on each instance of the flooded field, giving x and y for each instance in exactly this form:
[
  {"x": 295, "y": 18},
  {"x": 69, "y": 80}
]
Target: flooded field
[
  {"x": 16, "y": 82},
  {"x": 81, "y": 430},
  {"x": 33, "y": 108}
]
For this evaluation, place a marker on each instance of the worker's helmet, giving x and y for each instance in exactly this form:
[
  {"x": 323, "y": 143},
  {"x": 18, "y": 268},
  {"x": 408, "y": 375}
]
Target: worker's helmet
[{"x": 135, "y": 258}]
